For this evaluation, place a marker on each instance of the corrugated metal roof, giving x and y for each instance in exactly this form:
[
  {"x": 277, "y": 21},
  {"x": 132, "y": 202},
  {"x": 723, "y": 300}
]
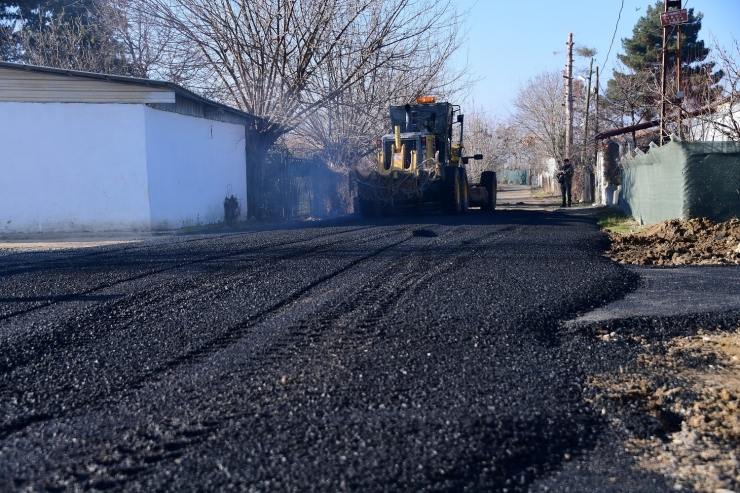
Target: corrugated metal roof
[
  {"x": 190, "y": 107},
  {"x": 111, "y": 88}
]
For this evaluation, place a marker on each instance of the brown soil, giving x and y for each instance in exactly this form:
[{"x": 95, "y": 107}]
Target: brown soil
[
  {"x": 700, "y": 411},
  {"x": 697, "y": 241}
]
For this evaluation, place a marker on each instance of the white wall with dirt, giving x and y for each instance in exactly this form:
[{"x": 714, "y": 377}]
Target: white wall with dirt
[
  {"x": 72, "y": 167},
  {"x": 192, "y": 163}
]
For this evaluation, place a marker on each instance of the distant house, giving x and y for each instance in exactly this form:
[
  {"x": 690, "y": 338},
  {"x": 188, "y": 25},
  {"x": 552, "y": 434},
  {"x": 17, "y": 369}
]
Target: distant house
[
  {"x": 92, "y": 152},
  {"x": 718, "y": 124}
]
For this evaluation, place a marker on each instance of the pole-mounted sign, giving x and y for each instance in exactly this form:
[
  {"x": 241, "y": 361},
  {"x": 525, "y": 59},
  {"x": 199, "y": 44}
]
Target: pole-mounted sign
[{"x": 674, "y": 17}]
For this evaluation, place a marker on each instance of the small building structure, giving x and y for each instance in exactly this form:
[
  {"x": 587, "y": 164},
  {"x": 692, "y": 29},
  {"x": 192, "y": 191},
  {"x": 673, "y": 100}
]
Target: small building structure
[
  {"x": 94, "y": 152},
  {"x": 720, "y": 123}
]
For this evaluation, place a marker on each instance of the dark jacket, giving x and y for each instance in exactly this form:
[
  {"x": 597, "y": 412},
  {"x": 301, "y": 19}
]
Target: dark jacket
[{"x": 565, "y": 174}]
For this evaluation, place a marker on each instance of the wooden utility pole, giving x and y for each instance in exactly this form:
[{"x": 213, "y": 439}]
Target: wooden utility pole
[
  {"x": 569, "y": 98},
  {"x": 679, "y": 93},
  {"x": 596, "y": 118},
  {"x": 671, "y": 20},
  {"x": 588, "y": 104},
  {"x": 600, "y": 178},
  {"x": 587, "y": 195},
  {"x": 663, "y": 78}
]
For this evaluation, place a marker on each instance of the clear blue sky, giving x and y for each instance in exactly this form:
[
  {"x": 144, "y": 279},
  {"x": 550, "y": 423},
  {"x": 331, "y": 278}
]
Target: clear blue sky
[{"x": 509, "y": 42}]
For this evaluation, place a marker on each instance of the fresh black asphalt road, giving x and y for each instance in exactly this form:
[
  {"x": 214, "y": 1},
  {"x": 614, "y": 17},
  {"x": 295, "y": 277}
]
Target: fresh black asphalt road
[{"x": 400, "y": 354}]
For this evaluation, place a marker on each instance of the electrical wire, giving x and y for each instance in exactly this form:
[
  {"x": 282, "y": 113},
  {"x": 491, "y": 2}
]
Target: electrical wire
[{"x": 613, "y": 36}]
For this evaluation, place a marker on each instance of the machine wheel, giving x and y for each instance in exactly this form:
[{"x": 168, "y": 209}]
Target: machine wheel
[
  {"x": 452, "y": 191},
  {"x": 488, "y": 181},
  {"x": 464, "y": 191},
  {"x": 367, "y": 208}
]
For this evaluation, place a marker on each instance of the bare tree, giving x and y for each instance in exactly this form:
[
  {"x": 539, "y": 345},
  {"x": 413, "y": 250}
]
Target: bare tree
[
  {"x": 480, "y": 138},
  {"x": 539, "y": 114},
  {"x": 149, "y": 51},
  {"x": 8, "y": 43},
  {"x": 504, "y": 145},
  {"x": 718, "y": 118},
  {"x": 271, "y": 57},
  {"x": 104, "y": 36},
  {"x": 345, "y": 128},
  {"x": 628, "y": 97}
]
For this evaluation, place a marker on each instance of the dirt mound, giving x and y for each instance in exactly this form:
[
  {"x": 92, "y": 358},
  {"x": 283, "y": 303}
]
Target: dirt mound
[{"x": 697, "y": 241}]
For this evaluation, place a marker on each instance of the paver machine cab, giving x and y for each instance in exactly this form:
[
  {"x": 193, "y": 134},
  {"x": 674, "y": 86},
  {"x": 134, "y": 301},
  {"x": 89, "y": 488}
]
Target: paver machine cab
[{"x": 420, "y": 164}]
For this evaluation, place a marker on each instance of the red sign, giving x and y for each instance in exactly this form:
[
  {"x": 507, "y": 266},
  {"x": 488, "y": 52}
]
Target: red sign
[{"x": 674, "y": 17}]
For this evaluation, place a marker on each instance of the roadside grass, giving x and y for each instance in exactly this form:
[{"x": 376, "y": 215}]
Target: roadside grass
[{"x": 618, "y": 222}]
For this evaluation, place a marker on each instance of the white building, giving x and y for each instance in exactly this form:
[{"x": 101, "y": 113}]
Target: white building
[
  {"x": 719, "y": 125},
  {"x": 91, "y": 152}
]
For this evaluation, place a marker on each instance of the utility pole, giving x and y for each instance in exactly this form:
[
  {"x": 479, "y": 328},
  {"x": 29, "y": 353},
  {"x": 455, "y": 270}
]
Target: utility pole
[
  {"x": 596, "y": 132},
  {"x": 586, "y": 175},
  {"x": 588, "y": 104},
  {"x": 599, "y": 179},
  {"x": 675, "y": 18},
  {"x": 596, "y": 118},
  {"x": 663, "y": 77},
  {"x": 569, "y": 98},
  {"x": 679, "y": 92}
]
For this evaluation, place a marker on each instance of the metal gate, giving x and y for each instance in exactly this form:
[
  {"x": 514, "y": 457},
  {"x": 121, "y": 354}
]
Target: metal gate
[{"x": 292, "y": 187}]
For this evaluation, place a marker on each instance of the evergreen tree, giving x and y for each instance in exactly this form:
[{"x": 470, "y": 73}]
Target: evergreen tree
[
  {"x": 35, "y": 13},
  {"x": 70, "y": 34},
  {"x": 634, "y": 93},
  {"x": 643, "y": 49}
]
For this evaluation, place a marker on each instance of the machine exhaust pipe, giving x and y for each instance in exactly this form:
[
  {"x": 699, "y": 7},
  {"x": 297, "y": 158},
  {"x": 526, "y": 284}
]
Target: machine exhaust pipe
[{"x": 407, "y": 107}]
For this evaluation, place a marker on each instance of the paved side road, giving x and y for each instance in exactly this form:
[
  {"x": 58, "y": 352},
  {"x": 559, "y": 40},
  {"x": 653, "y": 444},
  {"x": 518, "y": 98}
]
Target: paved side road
[
  {"x": 416, "y": 353},
  {"x": 675, "y": 291}
]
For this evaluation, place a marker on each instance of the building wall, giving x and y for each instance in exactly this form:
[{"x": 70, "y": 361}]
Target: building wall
[
  {"x": 193, "y": 163},
  {"x": 72, "y": 167},
  {"x": 719, "y": 126}
]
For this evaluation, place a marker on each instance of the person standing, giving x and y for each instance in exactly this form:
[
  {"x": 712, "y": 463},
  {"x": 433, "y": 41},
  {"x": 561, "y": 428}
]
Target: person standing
[{"x": 565, "y": 178}]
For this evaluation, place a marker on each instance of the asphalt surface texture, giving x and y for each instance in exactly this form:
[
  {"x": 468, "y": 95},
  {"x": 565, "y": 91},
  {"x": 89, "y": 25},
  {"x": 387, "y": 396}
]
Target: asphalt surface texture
[{"x": 422, "y": 353}]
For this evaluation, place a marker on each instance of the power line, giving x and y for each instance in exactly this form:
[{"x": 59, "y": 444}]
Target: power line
[{"x": 613, "y": 36}]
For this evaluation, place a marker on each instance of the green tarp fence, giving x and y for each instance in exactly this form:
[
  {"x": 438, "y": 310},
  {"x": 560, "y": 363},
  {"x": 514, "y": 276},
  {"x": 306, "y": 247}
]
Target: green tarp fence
[
  {"x": 683, "y": 180},
  {"x": 514, "y": 176}
]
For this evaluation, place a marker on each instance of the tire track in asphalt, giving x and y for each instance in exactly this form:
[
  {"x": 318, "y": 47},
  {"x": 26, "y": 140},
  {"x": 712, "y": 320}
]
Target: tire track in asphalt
[
  {"x": 75, "y": 254},
  {"x": 531, "y": 453},
  {"x": 385, "y": 288},
  {"x": 70, "y": 297},
  {"x": 233, "y": 333},
  {"x": 123, "y": 308}
]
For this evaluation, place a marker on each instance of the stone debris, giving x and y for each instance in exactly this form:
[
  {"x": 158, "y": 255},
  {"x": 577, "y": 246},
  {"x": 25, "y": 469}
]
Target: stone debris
[{"x": 671, "y": 243}]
